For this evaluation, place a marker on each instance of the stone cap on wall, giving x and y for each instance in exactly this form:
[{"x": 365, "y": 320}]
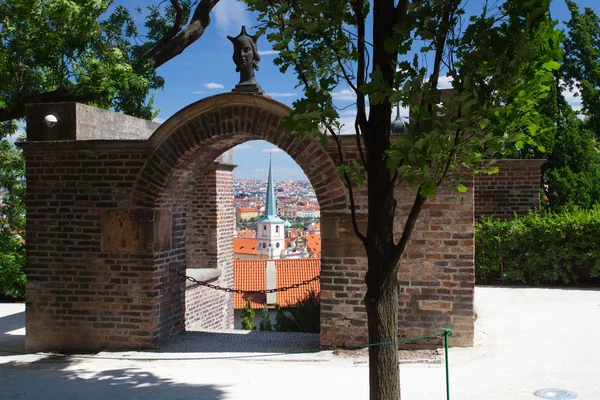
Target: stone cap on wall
[{"x": 77, "y": 121}]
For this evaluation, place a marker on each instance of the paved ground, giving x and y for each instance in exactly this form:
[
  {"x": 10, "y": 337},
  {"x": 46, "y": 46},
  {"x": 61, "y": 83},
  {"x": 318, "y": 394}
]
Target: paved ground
[{"x": 526, "y": 339}]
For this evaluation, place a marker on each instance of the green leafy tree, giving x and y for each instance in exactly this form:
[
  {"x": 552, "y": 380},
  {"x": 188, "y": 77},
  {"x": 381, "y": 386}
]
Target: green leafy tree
[
  {"x": 582, "y": 62},
  {"x": 12, "y": 215},
  {"x": 498, "y": 79},
  {"x": 284, "y": 322},
  {"x": 84, "y": 51},
  {"x": 90, "y": 51},
  {"x": 307, "y": 313},
  {"x": 265, "y": 321},
  {"x": 571, "y": 175},
  {"x": 247, "y": 315}
]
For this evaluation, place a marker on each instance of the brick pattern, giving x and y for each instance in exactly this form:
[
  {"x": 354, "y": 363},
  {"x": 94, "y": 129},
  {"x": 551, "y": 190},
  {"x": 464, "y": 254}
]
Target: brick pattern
[
  {"x": 436, "y": 277},
  {"x": 78, "y": 295},
  {"x": 159, "y": 199},
  {"x": 211, "y": 206},
  {"x": 514, "y": 190}
]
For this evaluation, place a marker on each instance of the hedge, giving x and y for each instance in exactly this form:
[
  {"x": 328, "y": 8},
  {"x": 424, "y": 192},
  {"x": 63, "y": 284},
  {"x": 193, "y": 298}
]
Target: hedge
[{"x": 540, "y": 249}]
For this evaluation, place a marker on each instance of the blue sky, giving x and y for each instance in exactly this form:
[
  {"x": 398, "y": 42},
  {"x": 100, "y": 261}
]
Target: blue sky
[{"x": 206, "y": 68}]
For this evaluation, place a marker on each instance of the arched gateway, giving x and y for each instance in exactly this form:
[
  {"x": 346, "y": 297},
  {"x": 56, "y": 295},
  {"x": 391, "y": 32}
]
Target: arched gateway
[{"x": 116, "y": 206}]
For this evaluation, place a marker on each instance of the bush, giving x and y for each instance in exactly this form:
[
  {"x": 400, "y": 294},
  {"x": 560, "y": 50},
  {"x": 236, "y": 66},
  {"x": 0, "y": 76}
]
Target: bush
[
  {"x": 12, "y": 267},
  {"x": 548, "y": 248},
  {"x": 305, "y": 317},
  {"x": 247, "y": 315},
  {"x": 265, "y": 322}
]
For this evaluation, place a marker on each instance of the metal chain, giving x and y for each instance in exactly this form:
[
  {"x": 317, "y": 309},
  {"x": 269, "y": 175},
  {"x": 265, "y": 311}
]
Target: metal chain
[{"x": 231, "y": 290}]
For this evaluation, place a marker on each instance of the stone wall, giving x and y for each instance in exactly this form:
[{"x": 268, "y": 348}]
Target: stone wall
[{"x": 514, "y": 190}]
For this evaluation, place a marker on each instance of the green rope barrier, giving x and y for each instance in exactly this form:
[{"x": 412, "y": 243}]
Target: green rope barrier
[
  {"x": 447, "y": 332},
  {"x": 362, "y": 346}
]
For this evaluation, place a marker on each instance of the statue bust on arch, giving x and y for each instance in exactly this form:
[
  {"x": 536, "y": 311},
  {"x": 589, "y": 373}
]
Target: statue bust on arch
[{"x": 246, "y": 59}]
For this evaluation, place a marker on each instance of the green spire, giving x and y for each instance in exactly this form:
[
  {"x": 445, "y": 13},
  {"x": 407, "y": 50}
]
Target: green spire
[{"x": 270, "y": 213}]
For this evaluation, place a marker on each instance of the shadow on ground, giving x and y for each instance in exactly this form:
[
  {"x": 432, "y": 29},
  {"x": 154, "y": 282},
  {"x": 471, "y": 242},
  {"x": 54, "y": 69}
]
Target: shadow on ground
[
  {"x": 8, "y": 339},
  {"x": 242, "y": 342},
  {"x": 63, "y": 379}
]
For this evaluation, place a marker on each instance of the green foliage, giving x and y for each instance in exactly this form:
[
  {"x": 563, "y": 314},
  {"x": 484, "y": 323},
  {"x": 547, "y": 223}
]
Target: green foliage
[
  {"x": 12, "y": 215},
  {"x": 307, "y": 313},
  {"x": 582, "y": 62},
  {"x": 571, "y": 175},
  {"x": 84, "y": 48},
  {"x": 247, "y": 315},
  {"x": 304, "y": 317},
  {"x": 501, "y": 63},
  {"x": 283, "y": 322},
  {"x": 265, "y": 321},
  {"x": 548, "y": 248}
]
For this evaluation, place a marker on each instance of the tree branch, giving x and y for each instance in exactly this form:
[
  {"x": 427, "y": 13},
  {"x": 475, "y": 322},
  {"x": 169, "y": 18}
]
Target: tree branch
[
  {"x": 349, "y": 184},
  {"x": 360, "y": 123},
  {"x": 409, "y": 227},
  {"x": 173, "y": 43}
]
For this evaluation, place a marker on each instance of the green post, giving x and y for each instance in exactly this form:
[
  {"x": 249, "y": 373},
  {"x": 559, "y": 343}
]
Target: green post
[{"x": 447, "y": 332}]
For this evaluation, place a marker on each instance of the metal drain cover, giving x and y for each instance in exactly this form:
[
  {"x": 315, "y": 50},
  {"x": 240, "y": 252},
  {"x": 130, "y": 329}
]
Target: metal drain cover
[{"x": 555, "y": 394}]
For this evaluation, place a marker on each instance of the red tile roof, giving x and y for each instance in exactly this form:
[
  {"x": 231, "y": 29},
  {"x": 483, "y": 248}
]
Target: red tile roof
[
  {"x": 314, "y": 244},
  {"x": 245, "y": 246},
  {"x": 251, "y": 275}
]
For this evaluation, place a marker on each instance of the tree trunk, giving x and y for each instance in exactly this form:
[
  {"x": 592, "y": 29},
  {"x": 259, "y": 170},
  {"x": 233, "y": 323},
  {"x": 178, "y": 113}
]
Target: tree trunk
[{"x": 381, "y": 301}]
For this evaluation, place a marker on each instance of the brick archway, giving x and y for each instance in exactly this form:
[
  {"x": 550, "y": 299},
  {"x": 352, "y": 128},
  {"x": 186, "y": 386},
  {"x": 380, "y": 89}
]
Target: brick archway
[
  {"x": 107, "y": 205},
  {"x": 215, "y": 125},
  {"x": 180, "y": 181}
]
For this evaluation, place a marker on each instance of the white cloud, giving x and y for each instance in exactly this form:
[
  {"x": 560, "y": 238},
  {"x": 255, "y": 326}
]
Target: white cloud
[
  {"x": 573, "y": 98},
  {"x": 284, "y": 94},
  {"x": 199, "y": 91},
  {"x": 213, "y": 85},
  {"x": 272, "y": 150},
  {"x": 268, "y": 52},
  {"x": 242, "y": 147},
  {"x": 159, "y": 120},
  {"x": 229, "y": 16},
  {"x": 344, "y": 95},
  {"x": 445, "y": 82}
]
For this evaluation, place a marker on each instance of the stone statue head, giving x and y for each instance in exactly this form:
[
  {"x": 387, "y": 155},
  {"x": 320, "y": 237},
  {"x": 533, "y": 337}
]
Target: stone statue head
[{"x": 245, "y": 55}]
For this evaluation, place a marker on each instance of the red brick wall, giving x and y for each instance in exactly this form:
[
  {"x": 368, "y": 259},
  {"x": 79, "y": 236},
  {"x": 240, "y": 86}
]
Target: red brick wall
[
  {"x": 81, "y": 295},
  {"x": 108, "y": 226},
  {"x": 209, "y": 244},
  {"x": 514, "y": 190},
  {"x": 436, "y": 277}
]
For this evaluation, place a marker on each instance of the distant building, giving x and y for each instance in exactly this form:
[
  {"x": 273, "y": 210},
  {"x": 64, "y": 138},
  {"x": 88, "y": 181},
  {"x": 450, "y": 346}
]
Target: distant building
[
  {"x": 246, "y": 213},
  {"x": 270, "y": 232}
]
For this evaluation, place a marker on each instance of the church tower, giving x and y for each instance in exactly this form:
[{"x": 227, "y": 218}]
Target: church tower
[{"x": 270, "y": 227}]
